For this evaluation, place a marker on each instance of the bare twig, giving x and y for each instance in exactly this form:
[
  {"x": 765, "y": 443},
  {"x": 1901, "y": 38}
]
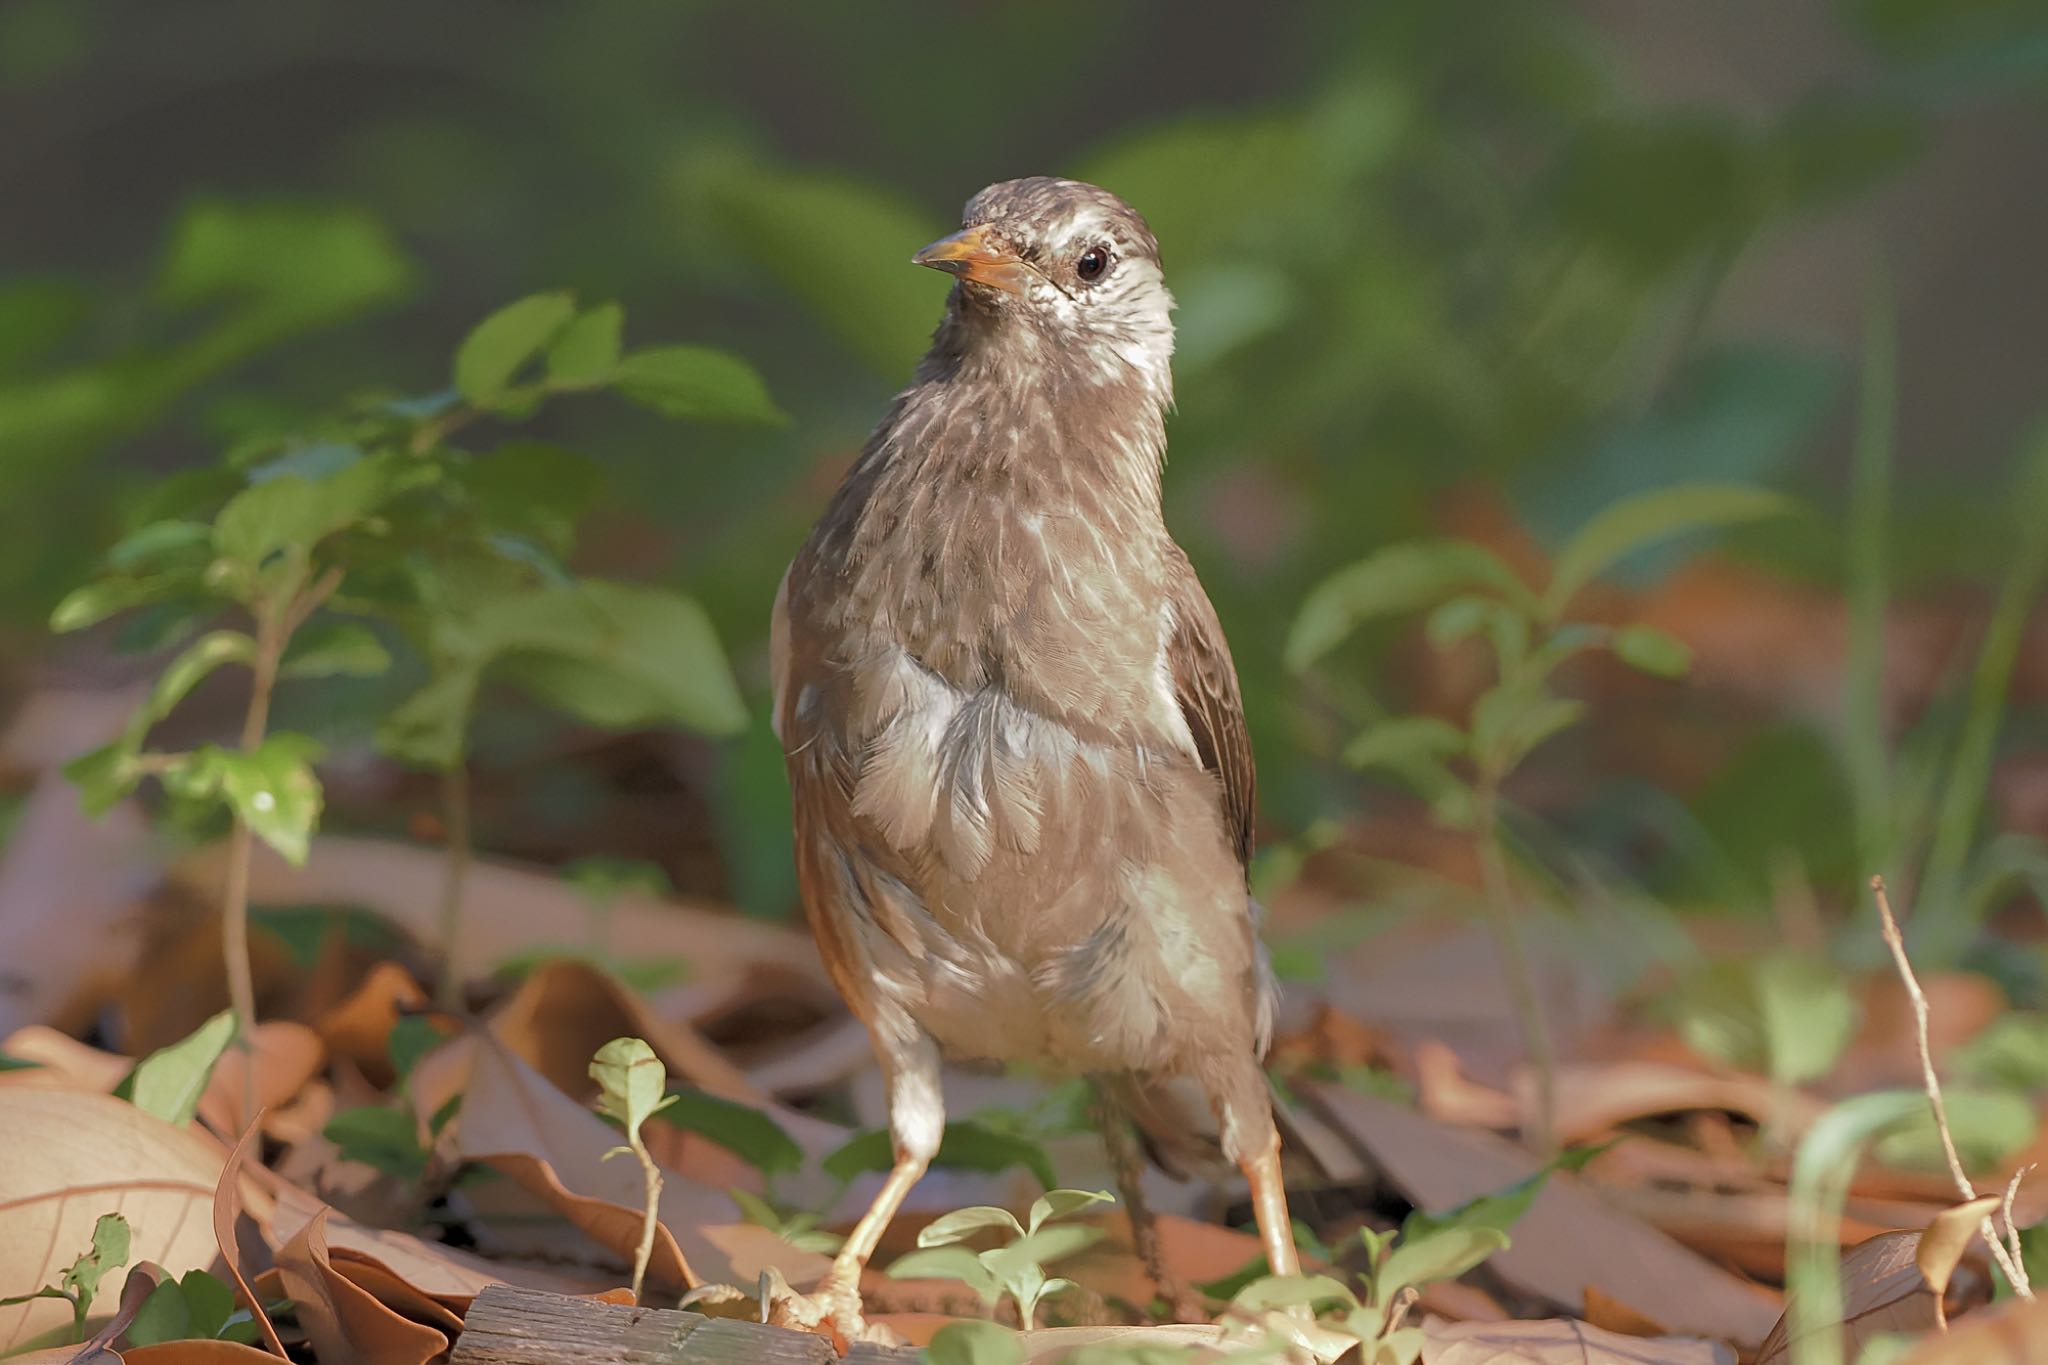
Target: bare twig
[
  {"x": 2012, "y": 1229},
  {"x": 2015, "y": 1273},
  {"x": 1499, "y": 898}
]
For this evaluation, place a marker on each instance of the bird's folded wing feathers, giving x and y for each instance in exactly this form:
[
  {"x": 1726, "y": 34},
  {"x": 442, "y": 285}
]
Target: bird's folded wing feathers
[{"x": 1205, "y": 684}]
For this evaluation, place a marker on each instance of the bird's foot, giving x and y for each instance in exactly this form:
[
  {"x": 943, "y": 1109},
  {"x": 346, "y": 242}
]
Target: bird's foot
[{"x": 832, "y": 1309}]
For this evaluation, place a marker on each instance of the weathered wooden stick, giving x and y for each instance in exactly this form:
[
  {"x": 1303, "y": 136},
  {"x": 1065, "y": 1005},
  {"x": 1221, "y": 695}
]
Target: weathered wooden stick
[{"x": 512, "y": 1326}]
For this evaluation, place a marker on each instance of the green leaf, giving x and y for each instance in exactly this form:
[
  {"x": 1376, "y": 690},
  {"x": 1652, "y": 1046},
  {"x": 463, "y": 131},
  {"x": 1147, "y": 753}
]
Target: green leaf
[
  {"x": 335, "y": 649},
  {"x": 387, "y": 1140},
  {"x": 1822, "y": 1169},
  {"x": 747, "y": 1133},
  {"x": 964, "y": 1223},
  {"x": 1060, "y": 1203},
  {"x": 615, "y": 654},
  {"x": 1652, "y": 651},
  {"x": 946, "y": 1263},
  {"x": 109, "y": 1251},
  {"x": 968, "y": 1145},
  {"x": 631, "y": 1082},
  {"x": 103, "y": 776},
  {"x": 1289, "y": 1291},
  {"x": 502, "y": 343},
  {"x": 1807, "y": 1011},
  {"x": 1642, "y": 520},
  {"x": 186, "y": 672},
  {"x": 430, "y": 728},
  {"x": 1400, "y": 578},
  {"x": 872, "y": 300},
  {"x": 295, "y": 511},
  {"x": 297, "y": 264},
  {"x": 1988, "y": 1126},
  {"x": 169, "y": 1082},
  {"x": 1510, "y": 722},
  {"x": 161, "y": 544},
  {"x": 587, "y": 351},
  {"x": 1501, "y": 1209},
  {"x": 1444, "y": 1254},
  {"x": 974, "y": 1343},
  {"x": 1404, "y": 741},
  {"x": 164, "y": 1316},
  {"x": 534, "y": 489},
  {"x": 95, "y": 602},
  {"x": 696, "y": 382},
  {"x": 412, "y": 1037},
  {"x": 271, "y": 787},
  {"x": 1787, "y": 1013},
  {"x": 2011, "y": 1052},
  {"x": 1054, "y": 1242}
]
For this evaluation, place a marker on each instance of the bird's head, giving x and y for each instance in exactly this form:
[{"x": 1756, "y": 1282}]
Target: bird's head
[{"x": 1063, "y": 269}]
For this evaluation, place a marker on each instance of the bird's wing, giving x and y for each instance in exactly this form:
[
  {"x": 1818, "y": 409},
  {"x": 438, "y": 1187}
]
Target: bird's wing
[{"x": 1205, "y": 685}]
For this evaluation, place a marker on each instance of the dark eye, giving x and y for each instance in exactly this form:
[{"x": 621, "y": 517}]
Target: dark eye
[{"x": 1093, "y": 264}]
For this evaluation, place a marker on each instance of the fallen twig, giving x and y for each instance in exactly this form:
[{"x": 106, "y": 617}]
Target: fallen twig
[{"x": 2008, "y": 1261}]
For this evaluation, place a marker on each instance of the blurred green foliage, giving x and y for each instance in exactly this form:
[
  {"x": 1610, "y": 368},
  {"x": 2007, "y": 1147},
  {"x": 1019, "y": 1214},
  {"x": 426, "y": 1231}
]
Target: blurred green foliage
[{"x": 1418, "y": 245}]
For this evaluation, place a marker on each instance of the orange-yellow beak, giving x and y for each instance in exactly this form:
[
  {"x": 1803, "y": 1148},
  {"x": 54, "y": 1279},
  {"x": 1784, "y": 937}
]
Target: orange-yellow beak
[{"x": 973, "y": 255}]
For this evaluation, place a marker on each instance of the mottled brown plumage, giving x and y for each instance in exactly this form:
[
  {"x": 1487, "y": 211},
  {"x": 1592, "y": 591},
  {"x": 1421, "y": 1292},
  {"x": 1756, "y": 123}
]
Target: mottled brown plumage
[{"x": 1023, "y": 790}]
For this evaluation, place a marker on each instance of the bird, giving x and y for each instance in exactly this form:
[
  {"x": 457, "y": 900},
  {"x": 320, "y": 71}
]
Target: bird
[{"x": 1021, "y": 782}]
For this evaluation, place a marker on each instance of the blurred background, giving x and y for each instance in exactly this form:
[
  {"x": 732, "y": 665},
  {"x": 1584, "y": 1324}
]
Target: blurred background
[{"x": 1445, "y": 267}]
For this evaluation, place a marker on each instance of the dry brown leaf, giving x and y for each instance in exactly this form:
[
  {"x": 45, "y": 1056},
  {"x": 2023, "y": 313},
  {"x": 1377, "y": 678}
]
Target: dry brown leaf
[
  {"x": 62, "y": 1062},
  {"x": 1593, "y": 1100},
  {"x": 68, "y": 1355},
  {"x": 359, "y": 1027},
  {"x": 1882, "y": 1291},
  {"x": 72, "y": 1156},
  {"x": 1886, "y": 1049},
  {"x": 343, "y": 1320},
  {"x": 227, "y": 1212},
  {"x": 565, "y": 1010},
  {"x": 1560, "y": 1342},
  {"x": 2014, "y": 1333},
  {"x": 287, "y": 1056},
  {"x": 1605, "y": 1311},
  {"x": 442, "y": 1272},
  {"x": 613, "y": 1226},
  {"x": 510, "y": 1109},
  {"x": 196, "y": 1353},
  {"x": 1568, "y": 1240},
  {"x": 1944, "y": 1240},
  {"x": 510, "y": 910},
  {"x": 1444, "y": 1093},
  {"x": 397, "y": 1293}
]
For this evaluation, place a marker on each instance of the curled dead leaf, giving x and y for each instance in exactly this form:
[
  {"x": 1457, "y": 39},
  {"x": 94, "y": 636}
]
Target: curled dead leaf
[
  {"x": 345, "y": 1322},
  {"x": 227, "y": 1213},
  {"x": 1882, "y": 1291},
  {"x": 1944, "y": 1240}
]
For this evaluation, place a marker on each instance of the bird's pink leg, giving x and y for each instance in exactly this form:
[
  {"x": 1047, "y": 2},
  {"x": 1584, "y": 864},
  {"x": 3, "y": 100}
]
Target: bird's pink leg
[{"x": 1269, "y": 1207}]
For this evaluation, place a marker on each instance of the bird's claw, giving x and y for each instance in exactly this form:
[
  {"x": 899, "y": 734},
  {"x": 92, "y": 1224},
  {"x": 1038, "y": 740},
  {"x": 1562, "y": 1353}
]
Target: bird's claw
[{"x": 832, "y": 1309}]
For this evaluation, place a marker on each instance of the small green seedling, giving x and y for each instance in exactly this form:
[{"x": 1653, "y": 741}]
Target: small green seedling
[
  {"x": 630, "y": 1081},
  {"x": 1470, "y": 594},
  {"x": 1017, "y": 1268},
  {"x": 198, "y": 1307},
  {"x": 81, "y": 1281}
]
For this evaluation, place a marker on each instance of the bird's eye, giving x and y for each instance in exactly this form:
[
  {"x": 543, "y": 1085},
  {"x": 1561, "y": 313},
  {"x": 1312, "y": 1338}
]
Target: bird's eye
[{"x": 1094, "y": 263}]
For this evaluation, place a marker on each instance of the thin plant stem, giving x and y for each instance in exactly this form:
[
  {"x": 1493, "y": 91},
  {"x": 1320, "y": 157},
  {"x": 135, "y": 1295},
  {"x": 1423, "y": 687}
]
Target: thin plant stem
[
  {"x": 2015, "y": 1271},
  {"x": 1516, "y": 968},
  {"x": 651, "y": 1173},
  {"x": 455, "y": 815},
  {"x": 272, "y": 631}
]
